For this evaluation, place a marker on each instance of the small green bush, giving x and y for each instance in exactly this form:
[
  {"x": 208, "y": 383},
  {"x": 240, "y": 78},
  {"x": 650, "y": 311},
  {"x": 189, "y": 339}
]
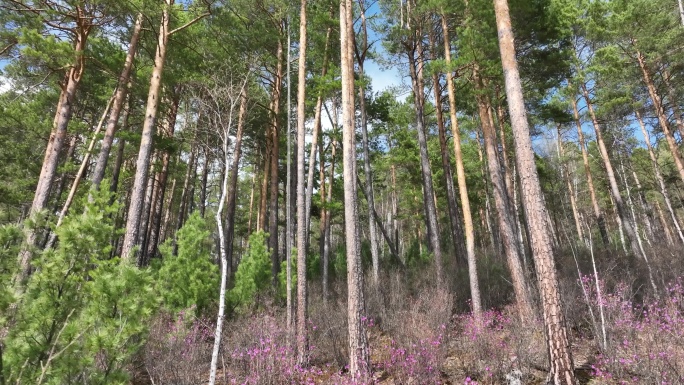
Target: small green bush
[
  {"x": 83, "y": 316},
  {"x": 189, "y": 279},
  {"x": 254, "y": 271},
  {"x": 10, "y": 243}
]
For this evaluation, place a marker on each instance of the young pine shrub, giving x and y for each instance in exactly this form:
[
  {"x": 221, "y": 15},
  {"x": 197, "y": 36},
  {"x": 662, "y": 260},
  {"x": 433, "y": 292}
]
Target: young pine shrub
[
  {"x": 253, "y": 273},
  {"x": 10, "y": 244},
  {"x": 189, "y": 279},
  {"x": 83, "y": 316},
  {"x": 178, "y": 349}
]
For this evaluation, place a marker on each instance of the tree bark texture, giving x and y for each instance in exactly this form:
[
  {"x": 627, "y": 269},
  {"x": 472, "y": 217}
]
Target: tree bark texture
[
  {"x": 468, "y": 228},
  {"x": 117, "y": 106},
  {"x": 501, "y": 204},
  {"x": 560, "y": 356},
  {"x": 415, "y": 68},
  {"x": 69, "y": 86},
  {"x": 659, "y": 178},
  {"x": 598, "y": 213},
  {"x": 660, "y": 113},
  {"x": 146, "y": 142},
  {"x": 302, "y": 192},
  {"x": 454, "y": 214},
  {"x": 162, "y": 177},
  {"x": 359, "y": 356},
  {"x": 274, "y": 157},
  {"x": 612, "y": 180}
]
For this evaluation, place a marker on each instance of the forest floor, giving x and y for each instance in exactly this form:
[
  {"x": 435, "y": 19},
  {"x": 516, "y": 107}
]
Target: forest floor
[{"x": 418, "y": 337}]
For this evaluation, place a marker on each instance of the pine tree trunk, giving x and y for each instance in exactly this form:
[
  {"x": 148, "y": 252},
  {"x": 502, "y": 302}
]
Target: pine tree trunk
[
  {"x": 263, "y": 192},
  {"x": 598, "y": 213},
  {"x": 118, "y": 161},
  {"x": 64, "y": 176},
  {"x": 69, "y": 86},
  {"x": 468, "y": 228},
  {"x": 119, "y": 99},
  {"x": 454, "y": 214},
  {"x": 162, "y": 178},
  {"x": 426, "y": 172},
  {"x": 302, "y": 194},
  {"x": 79, "y": 175},
  {"x": 501, "y": 202},
  {"x": 612, "y": 181},
  {"x": 321, "y": 224},
  {"x": 395, "y": 210},
  {"x": 251, "y": 201},
  {"x": 487, "y": 225},
  {"x": 185, "y": 194},
  {"x": 673, "y": 101},
  {"x": 560, "y": 356},
  {"x": 508, "y": 174},
  {"x": 289, "y": 236},
  {"x": 660, "y": 113},
  {"x": 63, "y": 112},
  {"x": 150, "y": 195},
  {"x": 571, "y": 191},
  {"x": 146, "y": 143},
  {"x": 664, "y": 224},
  {"x": 359, "y": 356},
  {"x": 274, "y": 157},
  {"x": 328, "y": 219},
  {"x": 659, "y": 178},
  {"x": 368, "y": 186},
  {"x": 315, "y": 139},
  {"x": 163, "y": 231}
]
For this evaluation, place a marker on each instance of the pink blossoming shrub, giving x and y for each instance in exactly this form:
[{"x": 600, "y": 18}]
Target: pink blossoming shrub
[
  {"x": 417, "y": 361},
  {"x": 645, "y": 341},
  {"x": 415, "y": 343},
  {"x": 178, "y": 349},
  {"x": 488, "y": 349},
  {"x": 256, "y": 351}
]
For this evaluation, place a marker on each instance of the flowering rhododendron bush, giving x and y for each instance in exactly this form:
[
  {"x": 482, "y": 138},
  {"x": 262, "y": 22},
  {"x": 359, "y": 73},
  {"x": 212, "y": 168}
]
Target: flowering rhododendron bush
[
  {"x": 645, "y": 341},
  {"x": 415, "y": 338},
  {"x": 495, "y": 346},
  {"x": 178, "y": 348}
]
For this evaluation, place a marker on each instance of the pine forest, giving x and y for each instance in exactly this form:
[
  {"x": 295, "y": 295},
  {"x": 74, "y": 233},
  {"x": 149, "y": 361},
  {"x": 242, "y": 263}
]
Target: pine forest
[{"x": 341, "y": 192}]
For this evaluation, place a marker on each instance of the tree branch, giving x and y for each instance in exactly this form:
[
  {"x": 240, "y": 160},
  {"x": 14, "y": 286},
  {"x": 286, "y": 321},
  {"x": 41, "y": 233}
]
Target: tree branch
[{"x": 189, "y": 23}]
